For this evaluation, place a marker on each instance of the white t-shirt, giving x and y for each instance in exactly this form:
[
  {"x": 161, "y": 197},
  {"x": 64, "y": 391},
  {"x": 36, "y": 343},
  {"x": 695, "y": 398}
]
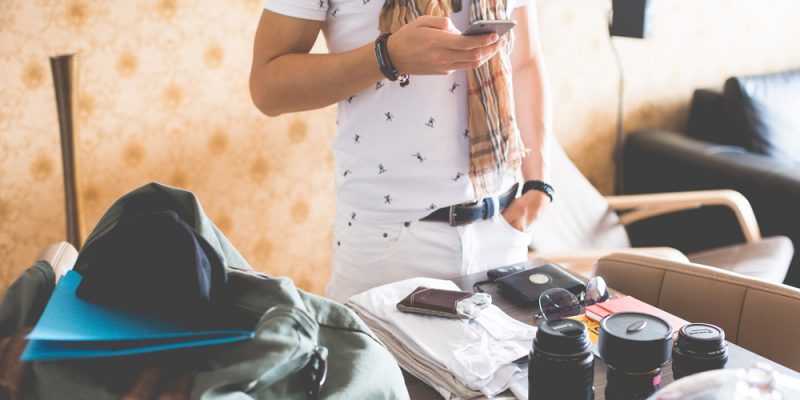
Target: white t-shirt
[{"x": 401, "y": 152}]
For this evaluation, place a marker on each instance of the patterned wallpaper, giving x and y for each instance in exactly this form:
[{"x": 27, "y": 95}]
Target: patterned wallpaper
[{"x": 163, "y": 97}]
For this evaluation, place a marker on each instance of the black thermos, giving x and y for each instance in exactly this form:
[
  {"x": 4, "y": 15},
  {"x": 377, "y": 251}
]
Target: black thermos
[{"x": 561, "y": 363}]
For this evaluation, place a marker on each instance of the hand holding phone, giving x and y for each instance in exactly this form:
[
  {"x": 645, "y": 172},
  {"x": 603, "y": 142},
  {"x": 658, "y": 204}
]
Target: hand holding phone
[
  {"x": 416, "y": 49},
  {"x": 482, "y": 27}
]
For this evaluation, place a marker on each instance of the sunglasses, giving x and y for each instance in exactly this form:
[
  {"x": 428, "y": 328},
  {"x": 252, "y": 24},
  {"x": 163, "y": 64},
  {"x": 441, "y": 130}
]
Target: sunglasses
[{"x": 559, "y": 303}]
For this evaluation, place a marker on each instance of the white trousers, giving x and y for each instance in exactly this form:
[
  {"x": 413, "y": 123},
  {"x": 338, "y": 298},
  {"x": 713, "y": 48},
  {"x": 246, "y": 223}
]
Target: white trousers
[{"x": 369, "y": 255}]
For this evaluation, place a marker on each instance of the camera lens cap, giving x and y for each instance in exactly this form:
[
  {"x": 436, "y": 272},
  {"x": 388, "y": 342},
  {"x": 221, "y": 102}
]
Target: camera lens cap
[
  {"x": 635, "y": 342},
  {"x": 701, "y": 338},
  {"x": 562, "y": 336}
]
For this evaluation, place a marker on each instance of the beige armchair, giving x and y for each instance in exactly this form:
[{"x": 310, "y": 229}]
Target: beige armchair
[
  {"x": 582, "y": 226},
  {"x": 757, "y": 315}
]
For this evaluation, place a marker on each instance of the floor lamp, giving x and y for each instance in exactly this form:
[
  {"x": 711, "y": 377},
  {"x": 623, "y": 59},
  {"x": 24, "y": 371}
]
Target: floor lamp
[
  {"x": 65, "y": 81},
  {"x": 629, "y": 18}
]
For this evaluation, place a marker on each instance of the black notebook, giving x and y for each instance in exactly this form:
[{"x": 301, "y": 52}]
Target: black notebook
[{"x": 526, "y": 286}]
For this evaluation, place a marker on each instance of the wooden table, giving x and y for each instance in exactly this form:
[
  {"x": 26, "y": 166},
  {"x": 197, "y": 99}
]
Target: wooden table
[{"x": 738, "y": 357}]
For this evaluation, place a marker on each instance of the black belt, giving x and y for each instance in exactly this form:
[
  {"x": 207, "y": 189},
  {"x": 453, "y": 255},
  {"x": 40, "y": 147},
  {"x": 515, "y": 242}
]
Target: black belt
[{"x": 467, "y": 213}]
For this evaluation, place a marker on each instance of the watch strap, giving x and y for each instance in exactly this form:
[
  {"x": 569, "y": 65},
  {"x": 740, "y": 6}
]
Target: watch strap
[{"x": 541, "y": 186}]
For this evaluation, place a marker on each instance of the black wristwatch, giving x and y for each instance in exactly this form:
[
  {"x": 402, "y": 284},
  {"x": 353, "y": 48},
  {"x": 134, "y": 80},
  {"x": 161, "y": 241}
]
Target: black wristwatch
[{"x": 540, "y": 186}]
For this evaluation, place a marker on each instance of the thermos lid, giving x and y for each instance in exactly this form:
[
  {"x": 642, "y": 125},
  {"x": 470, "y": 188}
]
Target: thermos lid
[
  {"x": 701, "y": 339},
  {"x": 562, "y": 336},
  {"x": 635, "y": 342}
]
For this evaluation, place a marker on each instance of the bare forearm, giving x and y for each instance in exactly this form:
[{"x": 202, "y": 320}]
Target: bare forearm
[
  {"x": 533, "y": 108},
  {"x": 298, "y": 82},
  {"x": 285, "y": 78},
  {"x": 533, "y": 111}
]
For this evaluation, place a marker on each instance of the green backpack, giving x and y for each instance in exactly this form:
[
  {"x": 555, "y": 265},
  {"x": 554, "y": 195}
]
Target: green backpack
[{"x": 305, "y": 346}]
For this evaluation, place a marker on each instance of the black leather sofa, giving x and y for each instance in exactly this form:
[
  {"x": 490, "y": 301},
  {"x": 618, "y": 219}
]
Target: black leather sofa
[{"x": 746, "y": 138}]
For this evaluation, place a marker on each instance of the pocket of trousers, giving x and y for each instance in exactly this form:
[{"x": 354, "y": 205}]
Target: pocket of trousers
[
  {"x": 507, "y": 226},
  {"x": 368, "y": 242}
]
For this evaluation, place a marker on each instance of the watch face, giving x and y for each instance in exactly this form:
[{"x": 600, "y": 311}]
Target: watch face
[{"x": 539, "y": 279}]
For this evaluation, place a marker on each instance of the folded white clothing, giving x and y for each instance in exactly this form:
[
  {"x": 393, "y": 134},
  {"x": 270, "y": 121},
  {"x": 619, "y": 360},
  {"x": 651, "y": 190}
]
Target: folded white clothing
[
  {"x": 440, "y": 380},
  {"x": 519, "y": 387},
  {"x": 480, "y": 353}
]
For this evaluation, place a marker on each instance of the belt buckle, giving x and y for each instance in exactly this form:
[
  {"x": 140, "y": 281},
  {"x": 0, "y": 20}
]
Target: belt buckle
[
  {"x": 453, "y": 209},
  {"x": 452, "y": 214}
]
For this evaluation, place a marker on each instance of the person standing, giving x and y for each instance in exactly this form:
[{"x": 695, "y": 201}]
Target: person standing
[{"x": 441, "y": 157}]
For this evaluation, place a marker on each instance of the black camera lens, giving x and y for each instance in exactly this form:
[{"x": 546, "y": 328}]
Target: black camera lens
[
  {"x": 700, "y": 347},
  {"x": 561, "y": 363},
  {"x": 635, "y": 346}
]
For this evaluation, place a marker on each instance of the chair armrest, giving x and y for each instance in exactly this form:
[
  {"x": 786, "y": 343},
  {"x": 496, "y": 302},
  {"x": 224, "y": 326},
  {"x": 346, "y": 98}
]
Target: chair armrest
[
  {"x": 643, "y": 206},
  {"x": 658, "y": 159},
  {"x": 61, "y": 256}
]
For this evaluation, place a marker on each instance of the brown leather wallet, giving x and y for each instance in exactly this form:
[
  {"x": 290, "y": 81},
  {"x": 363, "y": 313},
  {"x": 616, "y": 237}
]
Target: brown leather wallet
[{"x": 436, "y": 302}]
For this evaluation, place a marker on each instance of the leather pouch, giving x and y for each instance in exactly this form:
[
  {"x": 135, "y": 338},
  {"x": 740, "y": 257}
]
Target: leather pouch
[
  {"x": 438, "y": 302},
  {"x": 526, "y": 286}
]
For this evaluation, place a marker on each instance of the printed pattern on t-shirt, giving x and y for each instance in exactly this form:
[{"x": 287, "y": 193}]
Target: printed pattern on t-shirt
[{"x": 401, "y": 151}]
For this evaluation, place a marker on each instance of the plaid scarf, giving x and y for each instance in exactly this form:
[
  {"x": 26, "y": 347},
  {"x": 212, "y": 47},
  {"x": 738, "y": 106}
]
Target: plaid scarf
[{"x": 496, "y": 148}]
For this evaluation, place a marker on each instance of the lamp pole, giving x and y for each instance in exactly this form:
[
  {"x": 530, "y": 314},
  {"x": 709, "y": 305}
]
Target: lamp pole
[
  {"x": 627, "y": 18},
  {"x": 65, "y": 81}
]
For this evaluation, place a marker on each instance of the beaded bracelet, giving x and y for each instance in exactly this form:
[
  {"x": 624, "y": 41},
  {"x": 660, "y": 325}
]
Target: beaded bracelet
[{"x": 385, "y": 63}]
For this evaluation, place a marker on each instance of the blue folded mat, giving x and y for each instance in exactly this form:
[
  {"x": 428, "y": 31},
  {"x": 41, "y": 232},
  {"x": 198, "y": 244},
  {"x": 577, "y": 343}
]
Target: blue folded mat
[{"x": 72, "y": 328}]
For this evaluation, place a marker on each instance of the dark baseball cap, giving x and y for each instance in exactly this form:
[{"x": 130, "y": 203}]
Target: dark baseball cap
[{"x": 155, "y": 263}]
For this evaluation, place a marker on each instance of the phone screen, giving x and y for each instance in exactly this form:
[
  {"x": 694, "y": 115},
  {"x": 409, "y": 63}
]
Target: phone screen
[{"x": 482, "y": 27}]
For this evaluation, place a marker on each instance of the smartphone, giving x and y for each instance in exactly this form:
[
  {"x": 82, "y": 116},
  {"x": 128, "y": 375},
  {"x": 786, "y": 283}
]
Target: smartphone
[{"x": 500, "y": 27}]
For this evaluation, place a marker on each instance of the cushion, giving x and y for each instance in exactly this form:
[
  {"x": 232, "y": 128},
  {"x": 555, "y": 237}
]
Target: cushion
[
  {"x": 767, "y": 259},
  {"x": 764, "y": 113},
  {"x": 708, "y": 120},
  {"x": 579, "y": 218}
]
